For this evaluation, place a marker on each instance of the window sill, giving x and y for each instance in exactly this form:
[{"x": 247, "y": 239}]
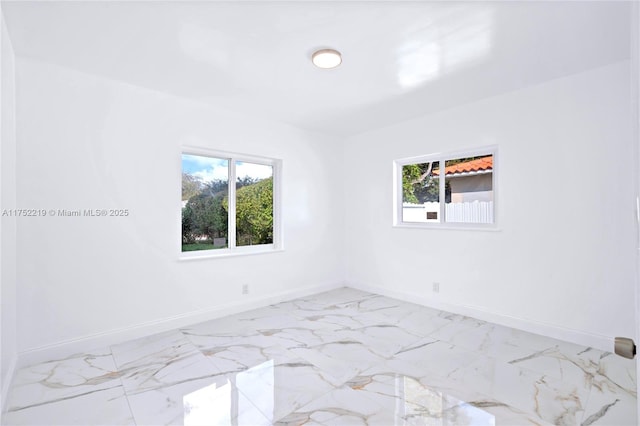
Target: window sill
[
  {"x": 449, "y": 226},
  {"x": 213, "y": 254}
]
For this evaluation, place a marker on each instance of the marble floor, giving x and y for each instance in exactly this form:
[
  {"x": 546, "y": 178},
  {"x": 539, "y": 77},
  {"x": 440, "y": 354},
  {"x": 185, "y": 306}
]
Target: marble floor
[{"x": 344, "y": 357}]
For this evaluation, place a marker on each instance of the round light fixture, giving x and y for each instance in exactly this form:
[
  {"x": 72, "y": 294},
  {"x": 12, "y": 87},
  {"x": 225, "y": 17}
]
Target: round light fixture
[{"x": 326, "y": 58}]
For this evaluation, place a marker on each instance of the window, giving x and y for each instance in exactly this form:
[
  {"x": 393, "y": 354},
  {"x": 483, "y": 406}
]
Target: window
[
  {"x": 453, "y": 189},
  {"x": 219, "y": 218}
]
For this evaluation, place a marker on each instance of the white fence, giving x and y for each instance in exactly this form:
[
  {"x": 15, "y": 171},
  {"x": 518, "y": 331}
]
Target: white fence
[{"x": 467, "y": 212}]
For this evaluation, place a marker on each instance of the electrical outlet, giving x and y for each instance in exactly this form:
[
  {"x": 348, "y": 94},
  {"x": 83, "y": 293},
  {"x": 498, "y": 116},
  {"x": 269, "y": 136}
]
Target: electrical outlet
[
  {"x": 436, "y": 287},
  {"x": 245, "y": 288}
]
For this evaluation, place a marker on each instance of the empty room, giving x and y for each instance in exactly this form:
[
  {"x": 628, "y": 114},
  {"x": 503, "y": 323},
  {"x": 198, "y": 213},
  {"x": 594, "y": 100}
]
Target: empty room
[{"x": 319, "y": 212}]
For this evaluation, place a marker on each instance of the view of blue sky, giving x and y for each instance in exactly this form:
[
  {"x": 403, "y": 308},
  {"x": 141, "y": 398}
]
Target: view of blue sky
[{"x": 209, "y": 168}]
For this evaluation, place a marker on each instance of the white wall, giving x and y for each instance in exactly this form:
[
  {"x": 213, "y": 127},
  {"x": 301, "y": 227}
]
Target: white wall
[
  {"x": 86, "y": 142},
  {"x": 562, "y": 271},
  {"x": 8, "y": 353},
  {"x": 635, "y": 108}
]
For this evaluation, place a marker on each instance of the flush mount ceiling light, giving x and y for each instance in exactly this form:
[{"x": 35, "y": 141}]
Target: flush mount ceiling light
[{"x": 326, "y": 58}]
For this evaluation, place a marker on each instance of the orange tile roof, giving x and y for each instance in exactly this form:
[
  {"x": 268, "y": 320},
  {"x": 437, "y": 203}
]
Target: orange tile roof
[{"x": 477, "y": 165}]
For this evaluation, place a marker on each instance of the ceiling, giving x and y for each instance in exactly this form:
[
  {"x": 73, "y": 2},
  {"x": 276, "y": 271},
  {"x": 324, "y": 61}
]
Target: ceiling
[{"x": 400, "y": 59}]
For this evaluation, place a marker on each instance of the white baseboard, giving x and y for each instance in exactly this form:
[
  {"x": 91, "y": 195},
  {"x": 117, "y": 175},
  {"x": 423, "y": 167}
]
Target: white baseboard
[
  {"x": 604, "y": 343},
  {"x": 6, "y": 384},
  {"x": 83, "y": 344}
]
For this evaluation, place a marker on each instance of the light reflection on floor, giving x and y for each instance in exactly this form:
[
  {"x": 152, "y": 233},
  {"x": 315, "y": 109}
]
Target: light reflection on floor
[
  {"x": 219, "y": 404},
  {"x": 337, "y": 358}
]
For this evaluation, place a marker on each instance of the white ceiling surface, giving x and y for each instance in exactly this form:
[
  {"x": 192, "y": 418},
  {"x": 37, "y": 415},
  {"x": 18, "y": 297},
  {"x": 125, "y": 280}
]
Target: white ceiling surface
[{"x": 400, "y": 59}]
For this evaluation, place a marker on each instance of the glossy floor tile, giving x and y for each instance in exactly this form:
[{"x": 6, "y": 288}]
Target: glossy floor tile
[{"x": 344, "y": 357}]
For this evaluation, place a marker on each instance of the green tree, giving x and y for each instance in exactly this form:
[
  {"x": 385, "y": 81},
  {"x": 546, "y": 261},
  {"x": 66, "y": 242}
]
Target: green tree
[
  {"x": 410, "y": 174},
  {"x": 188, "y": 225},
  {"x": 246, "y": 181},
  {"x": 216, "y": 187},
  {"x": 191, "y": 185},
  {"x": 206, "y": 212},
  {"x": 209, "y": 215},
  {"x": 419, "y": 184},
  {"x": 254, "y": 213}
]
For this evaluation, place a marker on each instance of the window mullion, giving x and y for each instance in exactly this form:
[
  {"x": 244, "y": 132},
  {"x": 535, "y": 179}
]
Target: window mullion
[
  {"x": 277, "y": 230},
  {"x": 442, "y": 194},
  {"x": 398, "y": 189},
  {"x": 232, "y": 204}
]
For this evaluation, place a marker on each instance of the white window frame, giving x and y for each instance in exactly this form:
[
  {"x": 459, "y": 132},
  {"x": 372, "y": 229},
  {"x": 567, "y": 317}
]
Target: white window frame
[
  {"x": 442, "y": 158},
  {"x": 232, "y": 249}
]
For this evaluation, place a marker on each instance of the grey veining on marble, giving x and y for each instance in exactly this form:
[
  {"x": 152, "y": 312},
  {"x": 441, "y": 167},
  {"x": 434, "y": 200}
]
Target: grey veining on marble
[
  {"x": 342, "y": 357},
  {"x": 59, "y": 380}
]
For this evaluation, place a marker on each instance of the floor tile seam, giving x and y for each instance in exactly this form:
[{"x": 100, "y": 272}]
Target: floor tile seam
[
  {"x": 74, "y": 356},
  {"x": 329, "y": 422},
  {"x": 630, "y": 392},
  {"x": 555, "y": 378},
  {"x": 531, "y": 418},
  {"x": 104, "y": 386},
  {"x": 138, "y": 391},
  {"x": 507, "y": 343},
  {"x": 451, "y": 389},
  {"x": 253, "y": 404},
  {"x": 412, "y": 344},
  {"x": 196, "y": 351},
  {"x": 498, "y": 360},
  {"x": 538, "y": 415},
  {"x": 565, "y": 358},
  {"x": 553, "y": 383},
  {"x": 457, "y": 347},
  {"x": 481, "y": 354},
  {"x": 371, "y": 394},
  {"x": 197, "y": 347},
  {"x": 212, "y": 364},
  {"x": 590, "y": 375},
  {"x": 408, "y": 330},
  {"x": 126, "y": 396},
  {"x": 148, "y": 360},
  {"x": 526, "y": 410},
  {"x": 430, "y": 333},
  {"x": 64, "y": 398},
  {"x": 363, "y": 345},
  {"x": 388, "y": 322},
  {"x": 100, "y": 386},
  {"x": 233, "y": 337},
  {"x": 366, "y": 395},
  {"x": 552, "y": 343},
  {"x": 16, "y": 385},
  {"x": 124, "y": 390},
  {"x": 158, "y": 365},
  {"x": 459, "y": 383},
  {"x": 586, "y": 405},
  {"x": 320, "y": 371},
  {"x": 489, "y": 398},
  {"x": 274, "y": 421},
  {"x": 211, "y": 360}
]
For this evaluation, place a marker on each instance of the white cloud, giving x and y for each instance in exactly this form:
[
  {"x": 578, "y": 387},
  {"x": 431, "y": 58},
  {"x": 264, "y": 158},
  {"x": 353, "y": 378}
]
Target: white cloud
[
  {"x": 256, "y": 171},
  {"x": 212, "y": 173},
  {"x": 209, "y": 169}
]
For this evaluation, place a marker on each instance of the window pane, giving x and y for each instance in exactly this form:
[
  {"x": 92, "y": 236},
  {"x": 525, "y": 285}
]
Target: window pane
[
  {"x": 421, "y": 192},
  {"x": 469, "y": 190},
  {"x": 205, "y": 196},
  {"x": 254, "y": 204}
]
